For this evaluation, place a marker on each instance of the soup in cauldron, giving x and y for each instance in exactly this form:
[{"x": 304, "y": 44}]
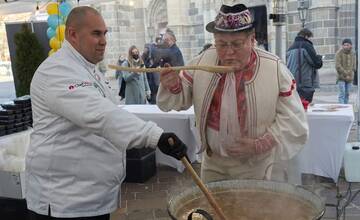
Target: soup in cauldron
[{"x": 250, "y": 204}]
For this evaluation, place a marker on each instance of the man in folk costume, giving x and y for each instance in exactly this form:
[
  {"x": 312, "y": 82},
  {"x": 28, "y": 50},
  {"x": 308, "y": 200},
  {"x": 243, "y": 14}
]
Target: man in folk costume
[{"x": 246, "y": 117}]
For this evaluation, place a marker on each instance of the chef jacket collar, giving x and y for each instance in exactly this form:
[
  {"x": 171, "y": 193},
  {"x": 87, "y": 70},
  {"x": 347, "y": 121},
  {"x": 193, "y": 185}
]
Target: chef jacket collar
[{"x": 86, "y": 63}]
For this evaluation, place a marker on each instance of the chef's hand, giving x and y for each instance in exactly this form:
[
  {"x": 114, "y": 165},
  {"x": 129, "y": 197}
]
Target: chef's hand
[
  {"x": 244, "y": 149},
  {"x": 169, "y": 78},
  {"x": 171, "y": 145}
]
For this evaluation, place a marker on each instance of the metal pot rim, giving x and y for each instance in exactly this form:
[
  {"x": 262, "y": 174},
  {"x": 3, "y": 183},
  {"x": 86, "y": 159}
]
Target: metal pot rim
[{"x": 221, "y": 186}]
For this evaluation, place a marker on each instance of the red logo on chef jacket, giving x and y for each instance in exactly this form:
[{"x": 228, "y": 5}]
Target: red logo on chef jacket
[{"x": 72, "y": 87}]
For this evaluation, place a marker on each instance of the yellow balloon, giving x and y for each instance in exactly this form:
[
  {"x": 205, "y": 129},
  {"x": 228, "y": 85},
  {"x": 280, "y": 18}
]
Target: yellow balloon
[
  {"x": 55, "y": 43},
  {"x": 52, "y": 8},
  {"x": 60, "y": 32},
  {"x": 52, "y": 51}
]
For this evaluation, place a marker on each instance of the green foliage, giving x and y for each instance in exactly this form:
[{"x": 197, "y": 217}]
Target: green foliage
[{"x": 29, "y": 55}]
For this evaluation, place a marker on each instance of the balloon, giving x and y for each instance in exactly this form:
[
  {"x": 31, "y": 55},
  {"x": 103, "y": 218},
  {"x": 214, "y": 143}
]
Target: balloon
[
  {"x": 51, "y": 52},
  {"x": 54, "y": 21},
  {"x": 65, "y": 8},
  {"x": 60, "y": 32},
  {"x": 50, "y": 32},
  {"x": 52, "y": 8},
  {"x": 54, "y": 43}
]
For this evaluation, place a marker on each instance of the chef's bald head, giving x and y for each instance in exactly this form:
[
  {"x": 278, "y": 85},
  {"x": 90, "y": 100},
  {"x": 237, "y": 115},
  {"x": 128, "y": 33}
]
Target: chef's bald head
[
  {"x": 86, "y": 32},
  {"x": 77, "y": 16}
]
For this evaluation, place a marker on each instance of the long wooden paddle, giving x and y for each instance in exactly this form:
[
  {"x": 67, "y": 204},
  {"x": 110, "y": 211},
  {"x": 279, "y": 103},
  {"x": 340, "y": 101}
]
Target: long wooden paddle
[
  {"x": 202, "y": 186},
  {"x": 212, "y": 69}
]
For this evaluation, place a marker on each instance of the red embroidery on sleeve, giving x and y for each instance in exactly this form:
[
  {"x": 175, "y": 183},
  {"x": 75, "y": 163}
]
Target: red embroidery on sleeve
[
  {"x": 187, "y": 77},
  {"x": 288, "y": 93}
]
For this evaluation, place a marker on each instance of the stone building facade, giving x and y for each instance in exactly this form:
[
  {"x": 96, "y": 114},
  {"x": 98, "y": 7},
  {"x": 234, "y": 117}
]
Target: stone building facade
[
  {"x": 136, "y": 22},
  {"x": 142, "y": 20},
  {"x": 331, "y": 21}
]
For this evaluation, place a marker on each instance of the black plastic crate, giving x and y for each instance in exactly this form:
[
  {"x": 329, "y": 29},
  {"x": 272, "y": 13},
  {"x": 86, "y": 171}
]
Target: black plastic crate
[
  {"x": 26, "y": 117},
  {"x": 9, "y": 126},
  {"x": 27, "y": 109},
  {"x": 11, "y": 106},
  {"x": 10, "y": 131},
  {"x": 23, "y": 100},
  {"x": 140, "y": 165},
  {"x": 7, "y": 117},
  {"x": 6, "y": 111},
  {"x": 12, "y": 209},
  {"x": 28, "y": 123},
  {"x": 27, "y": 114},
  {"x": 7, "y": 122},
  {"x": 17, "y": 116}
]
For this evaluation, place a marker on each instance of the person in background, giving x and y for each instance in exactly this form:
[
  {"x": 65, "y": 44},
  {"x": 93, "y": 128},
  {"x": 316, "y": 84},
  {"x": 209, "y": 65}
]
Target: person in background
[
  {"x": 246, "y": 117},
  {"x": 137, "y": 87},
  {"x": 345, "y": 67},
  {"x": 303, "y": 63},
  {"x": 259, "y": 45},
  {"x": 158, "y": 40},
  {"x": 119, "y": 77},
  {"x": 75, "y": 162},
  {"x": 152, "y": 77},
  {"x": 171, "y": 54}
]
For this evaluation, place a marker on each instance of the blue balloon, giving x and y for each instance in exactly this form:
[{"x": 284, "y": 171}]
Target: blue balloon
[
  {"x": 50, "y": 32},
  {"x": 65, "y": 8},
  {"x": 54, "y": 21}
]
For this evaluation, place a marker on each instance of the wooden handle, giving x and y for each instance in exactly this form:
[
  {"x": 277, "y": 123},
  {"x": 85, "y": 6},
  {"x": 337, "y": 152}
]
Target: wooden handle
[
  {"x": 203, "y": 188},
  {"x": 211, "y": 69},
  {"x": 201, "y": 185}
]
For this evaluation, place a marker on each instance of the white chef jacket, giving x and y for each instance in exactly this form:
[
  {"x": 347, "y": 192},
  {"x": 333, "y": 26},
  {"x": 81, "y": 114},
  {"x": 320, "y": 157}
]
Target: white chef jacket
[{"x": 76, "y": 159}]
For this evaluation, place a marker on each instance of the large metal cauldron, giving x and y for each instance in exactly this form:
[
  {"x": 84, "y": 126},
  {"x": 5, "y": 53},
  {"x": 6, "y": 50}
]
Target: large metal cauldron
[{"x": 250, "y": 200}]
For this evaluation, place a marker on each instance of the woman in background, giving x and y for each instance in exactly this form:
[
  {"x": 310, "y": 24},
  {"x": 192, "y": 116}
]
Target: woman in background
[{"x": 137, "y": 87}]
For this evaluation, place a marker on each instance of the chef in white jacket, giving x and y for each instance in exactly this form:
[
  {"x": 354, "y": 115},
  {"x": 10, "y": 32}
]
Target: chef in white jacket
[{"x": 75, "y": 163}]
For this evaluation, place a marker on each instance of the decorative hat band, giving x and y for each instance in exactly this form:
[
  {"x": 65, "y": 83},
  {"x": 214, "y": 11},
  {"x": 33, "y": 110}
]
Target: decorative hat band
[{"x": 233, "y": 21}]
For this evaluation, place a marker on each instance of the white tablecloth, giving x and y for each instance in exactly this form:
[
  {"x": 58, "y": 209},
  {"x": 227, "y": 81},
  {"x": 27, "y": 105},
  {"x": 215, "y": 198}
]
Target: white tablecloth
[
  {"x": 323, "y": 153},
  {"x": 12, "y": 164},
  {"x": 13, "y": 149},
  {"x": 182, "y": 123}
]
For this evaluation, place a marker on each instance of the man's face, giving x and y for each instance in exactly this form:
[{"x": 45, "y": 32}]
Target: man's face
[
  {"x": 168, "y": 40},
  {"x": 347, "y": 46},
  {"x": 234, "y": 49},
  {"x": 134, "y": 51},
  {"x": 145, "y": 52},
  {"x": 89, "y": 39}
]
